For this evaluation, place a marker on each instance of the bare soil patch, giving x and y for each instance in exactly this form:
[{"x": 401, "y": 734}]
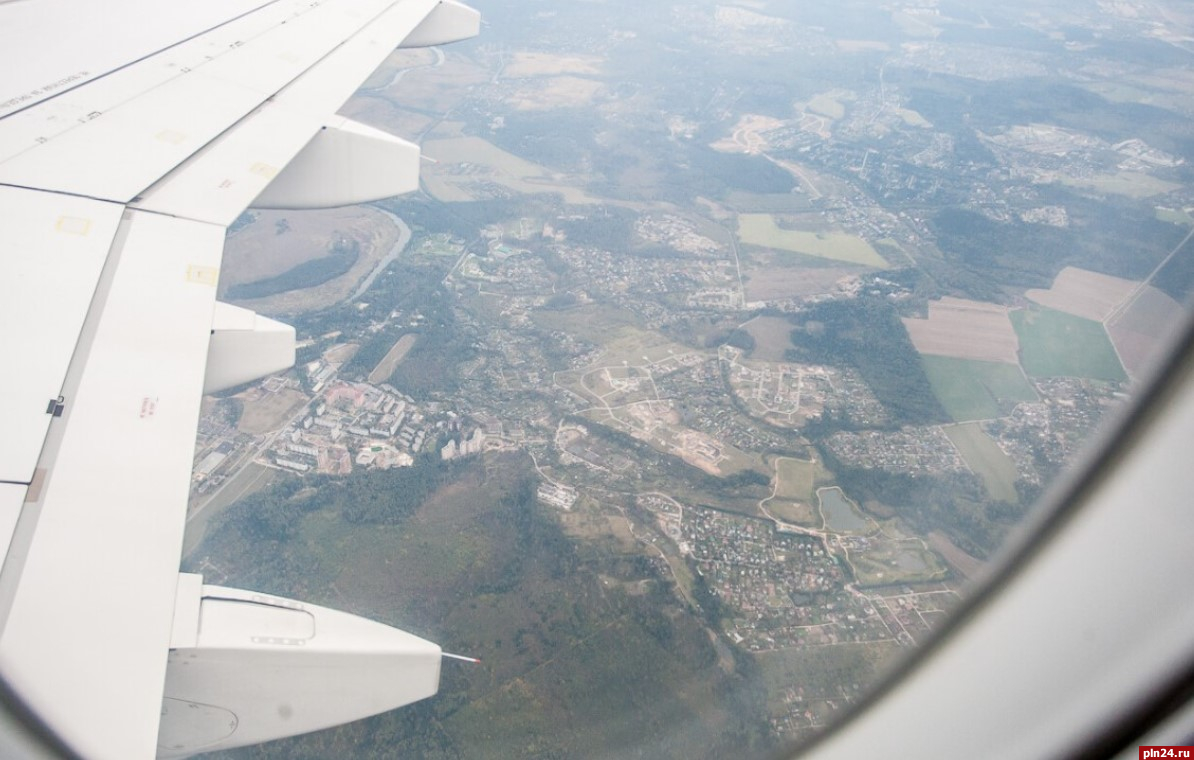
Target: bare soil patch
[
  {"x": 767, "y": 282},
  {"x": 341, "y": 353},
  {"x": 392, "y": 359},
  {"x": 1141, "y": 330},
  {"x": 266, "y": 412},
  {"x": 1083, "y": 293},
  {"x": 281, "y": 240},
  {"x": 772, "y": 338},
  {"x": 527, "y": 64},
  {"x": 965, "y": 329},
  {"x": 278, "y": 241},
  {"x": 747, "y": 136},
  {"x": 968, "y": 566},
  {"x": 554, "y": 92}
]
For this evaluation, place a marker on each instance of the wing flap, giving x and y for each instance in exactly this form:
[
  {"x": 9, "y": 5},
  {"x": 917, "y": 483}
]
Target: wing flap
[
  {"x": 186, "y": 138},
  {"x": 153, "y": 115},
  {"x": 51, "y": 255},
  {"x": 91, "y": 576},
  {"x": 219, "y": 181}
]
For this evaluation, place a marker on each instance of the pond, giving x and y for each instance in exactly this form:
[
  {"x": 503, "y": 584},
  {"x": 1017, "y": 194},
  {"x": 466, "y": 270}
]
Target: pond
[{"x": 840, "y": 513}]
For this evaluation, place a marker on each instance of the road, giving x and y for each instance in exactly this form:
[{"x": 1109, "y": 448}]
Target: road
[{"x": 209, "y": 507}]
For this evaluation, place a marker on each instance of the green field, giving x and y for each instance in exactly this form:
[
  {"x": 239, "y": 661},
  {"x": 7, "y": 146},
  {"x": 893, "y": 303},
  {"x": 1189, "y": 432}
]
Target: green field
[
  {"x": 507, "y": 169},
  {"x": 1174, "y": 216},
  {"x": 596, "y": 323},
  {"x": 970, "y": 389},
  {"x": 1055, "y": 344},
  {"x": 826, "y": 105},
  {"x": 987, "y": 460},
  {"x": 796, "y": 479},
  {"x": 771, "y": 335},
  {"x": 761, "y": 229},
  {"x": 1130, "y": 184},
  {"x": 795, "y": 492},
  {"x": 884, "y": 563},
  {"x": 774, "y": 203}
]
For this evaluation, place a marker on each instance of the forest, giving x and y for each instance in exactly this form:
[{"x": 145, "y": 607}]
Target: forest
[
  {"x": 581, "y": 648},
  {"x": 1107, "y": 237},
  {"x": 867, "y": 334}
]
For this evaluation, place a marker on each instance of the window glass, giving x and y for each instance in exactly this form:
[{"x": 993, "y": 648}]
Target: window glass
[{"x": 722, "y": 346}]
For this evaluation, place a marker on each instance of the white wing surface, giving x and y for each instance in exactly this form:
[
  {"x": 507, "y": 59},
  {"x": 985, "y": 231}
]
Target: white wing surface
[{"x": 131, "y": 134}]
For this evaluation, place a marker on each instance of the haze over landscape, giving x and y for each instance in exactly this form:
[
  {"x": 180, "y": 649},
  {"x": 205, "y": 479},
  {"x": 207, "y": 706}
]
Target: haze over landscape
[{"x": 722, "y": 345}]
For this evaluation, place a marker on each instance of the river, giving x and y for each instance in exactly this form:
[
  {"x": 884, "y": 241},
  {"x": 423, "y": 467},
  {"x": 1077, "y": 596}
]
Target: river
[{"x": 395, "y": 251}]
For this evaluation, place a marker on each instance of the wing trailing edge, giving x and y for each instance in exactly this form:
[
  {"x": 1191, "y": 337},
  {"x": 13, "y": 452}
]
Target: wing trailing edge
[{"x": 115, "y": 193}]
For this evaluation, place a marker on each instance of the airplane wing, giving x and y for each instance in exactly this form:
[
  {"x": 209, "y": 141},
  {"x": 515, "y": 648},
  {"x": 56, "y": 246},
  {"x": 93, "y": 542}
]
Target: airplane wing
[{"x": 128, "y": 143}]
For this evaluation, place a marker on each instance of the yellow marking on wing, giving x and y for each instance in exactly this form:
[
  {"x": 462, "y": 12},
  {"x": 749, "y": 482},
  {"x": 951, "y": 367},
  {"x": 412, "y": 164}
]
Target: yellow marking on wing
[
  {"x": 73, "y": 225},
  {"x": 203, "y": 275}
]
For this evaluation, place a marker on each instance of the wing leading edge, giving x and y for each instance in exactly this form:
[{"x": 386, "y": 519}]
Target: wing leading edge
[{"x": 114, "y": 199}]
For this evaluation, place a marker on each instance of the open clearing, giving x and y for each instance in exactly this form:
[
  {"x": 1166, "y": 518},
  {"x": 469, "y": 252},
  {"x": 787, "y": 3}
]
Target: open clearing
[
  {"x": 827, "y": 104},
  {"x": 970, "y": 389},
  {"x": 772, "y": 338},
  {"x": 547, "y": 93},
  {"x": 795, "y": 479},
  {"x": 393, "y": 358},
  {"x": 266, "y": 412},
  {"x": 969, "y": 566},
  {"x": 278, "y": 241},
  {"x": 770, "y": 276},
  {"x": 748, "y": 135},
  {"x": 527, "y": 64},
  {"x": 596, "y": 322},
  {"x": 965, "y": 329},
  {"x": 464, "y": 165},
  {"x": 987, "y": 460},
  {"x": 341, "y": 353},
  {"x": 1141, "y": 330},
  {"x": 1130, "y": 184},
  {"x": 633, "y": 346},
  {"x": 1174, "y": 216},
  {"x": 762, "y": 230},
  {"x": 1056, "y": 344},
  {"x": 799, "y": 513},
  {"x": 1083, "y": 293},
  {"x": 913, "y": 118},
  {"x": 658, "y": 424},
  {"x": 886, "y": 562},
  {"x": 771, "y": 203},
  {"x": 862, "y": 46}
]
